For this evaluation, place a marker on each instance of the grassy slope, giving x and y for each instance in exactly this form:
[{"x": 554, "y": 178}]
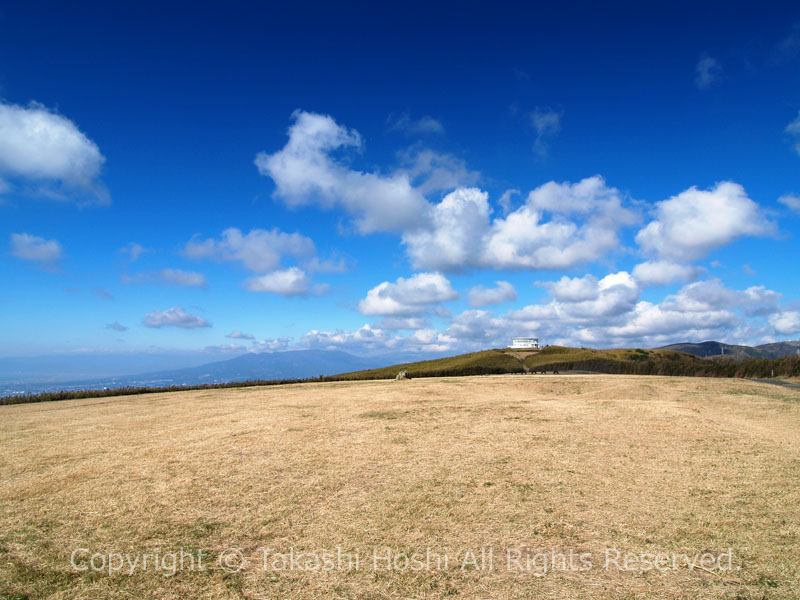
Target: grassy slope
[
  {"x": 487, "y": 362},
  {"x": 708, "y": 349},
  {"x": 634, "y": 361},
  {"x": 659, "y": 362},
  {"x": 553, "y": 355},
  {"x": 713, "y": 349}
]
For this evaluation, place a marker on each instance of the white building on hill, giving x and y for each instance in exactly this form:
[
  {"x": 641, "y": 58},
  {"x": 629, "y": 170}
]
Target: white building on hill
[{"x": 525, "y": 343}]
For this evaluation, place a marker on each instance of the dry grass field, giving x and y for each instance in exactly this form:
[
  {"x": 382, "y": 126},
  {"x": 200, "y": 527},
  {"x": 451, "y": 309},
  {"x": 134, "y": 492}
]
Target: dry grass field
[{"x": 536, "y": 469}]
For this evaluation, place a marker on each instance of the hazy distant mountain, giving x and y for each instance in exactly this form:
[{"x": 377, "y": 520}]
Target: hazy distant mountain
[
  {"x": 72, "y": 366},
  {"x": 705, "y": 349},
  {"x": 292, "y": 364}
]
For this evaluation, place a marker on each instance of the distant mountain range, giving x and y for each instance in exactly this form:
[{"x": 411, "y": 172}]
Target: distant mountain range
[
  {"x": 709, "y": 349},
  {"x": 292, "y": 364}
]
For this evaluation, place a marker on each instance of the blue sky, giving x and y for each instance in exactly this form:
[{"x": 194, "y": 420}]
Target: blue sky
[{"x": 231, "y": 178}]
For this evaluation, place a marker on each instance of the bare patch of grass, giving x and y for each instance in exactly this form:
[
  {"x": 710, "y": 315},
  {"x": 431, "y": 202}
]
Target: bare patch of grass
[{"x": 389, "y": 415}]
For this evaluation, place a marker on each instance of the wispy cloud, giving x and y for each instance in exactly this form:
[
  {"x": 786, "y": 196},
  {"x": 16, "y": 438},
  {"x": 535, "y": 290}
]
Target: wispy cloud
[
  {"x": 520, "y": 74},
  {"x": 182, "y": 278},
  {"x": 176, "y": 277},
  {"x": 793, "y": 129},
  {"x": 791, "y": 202},
  {"x": 707, "y": 71},
  {"x": 789, "y": 47},
  {"x": 547, "y": 124},
  {"x": 430, "y": 171},
  {"x": 505, "y": 200},
  {"x": 405, "y": 124},
  {"x": 116, "y": 326},
  {"x": 134, "y": 251}
]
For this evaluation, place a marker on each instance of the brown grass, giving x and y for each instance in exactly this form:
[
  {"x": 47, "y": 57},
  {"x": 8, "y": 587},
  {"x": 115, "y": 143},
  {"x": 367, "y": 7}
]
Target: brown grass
[{"x": 534, "y": 463}]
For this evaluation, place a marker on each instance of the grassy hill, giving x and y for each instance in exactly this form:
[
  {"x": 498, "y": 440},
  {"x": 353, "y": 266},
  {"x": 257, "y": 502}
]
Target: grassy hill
[
  {"x": 633, "y": 361},
  {"x": 659, "y": 362},
  {"x": 729, "y": 351},
  {"x": 487, "y": 362},
  {"x": 708, "y": 349},
  {"x": 552, "y": 358},
  {"x": 621, "y": 360}
]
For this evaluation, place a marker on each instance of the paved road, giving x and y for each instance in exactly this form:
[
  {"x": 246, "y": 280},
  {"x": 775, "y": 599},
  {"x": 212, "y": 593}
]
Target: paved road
[{"x": 793, "y": 386}]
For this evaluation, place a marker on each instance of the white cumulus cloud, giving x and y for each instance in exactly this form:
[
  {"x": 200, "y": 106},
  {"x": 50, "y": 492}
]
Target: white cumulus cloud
[
  {"x": 174, "y": 317},
  {"x": 393, "y": 323},
  {"x": 616, "y": 316},
  {"x": 259, "y": 250},
  {"x": 286, "y": 282},
  {"x": 559, "y": 226},
  {"x": 579, "y": 302},
  {"x": 786, "y": 323},
  {"x": 483, "y": 296},
  {"x": 238, "y": 335},
  {"x": 475, "y": 327},
  {"x": 573, "y": 289},
  {"x": 583, "y": 224},
  {"x": 664, "y": 272},
  {"x": 695, "y": 222},
  {"x": 712, "y": 294},
  {"x": 655, "y": 324},
  {"x": 407, "y": 296},
  {"x": 305, "y": 173},
  {"x": 454, "y": 239},
  {"x": 366, "y": 338},
  {"x": 34, "y": 248},
  {"x": 41, "y": 147}
]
